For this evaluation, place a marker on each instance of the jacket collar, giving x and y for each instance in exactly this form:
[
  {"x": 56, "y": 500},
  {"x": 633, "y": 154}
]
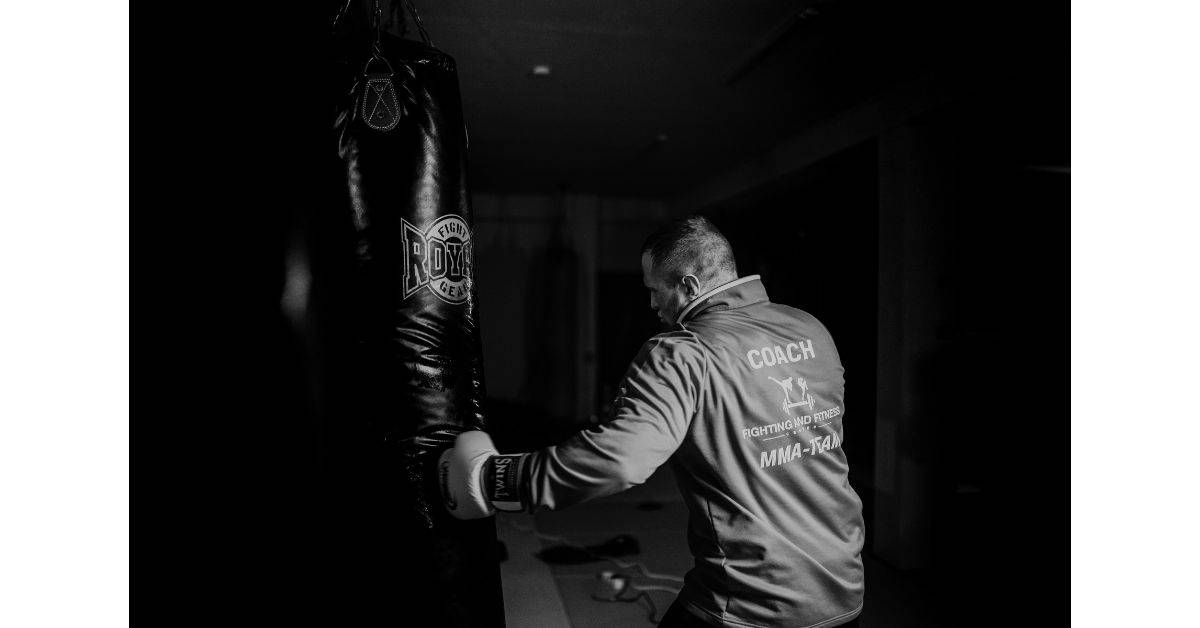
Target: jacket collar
[{"x": 737, "y": 293}]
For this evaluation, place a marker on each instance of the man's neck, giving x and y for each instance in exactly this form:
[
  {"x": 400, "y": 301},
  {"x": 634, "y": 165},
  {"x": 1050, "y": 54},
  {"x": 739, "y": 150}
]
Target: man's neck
[
  {"x": 717, "y": 286},
  {"x": 716, "y": 282}
]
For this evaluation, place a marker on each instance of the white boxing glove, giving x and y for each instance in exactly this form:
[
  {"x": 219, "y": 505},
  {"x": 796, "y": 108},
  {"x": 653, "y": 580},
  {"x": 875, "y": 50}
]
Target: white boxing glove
[{"x": 476, "y": 480}]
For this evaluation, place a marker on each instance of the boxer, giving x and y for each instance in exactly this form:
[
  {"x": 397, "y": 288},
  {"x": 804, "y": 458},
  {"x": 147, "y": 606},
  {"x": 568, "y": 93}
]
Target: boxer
[{"x": 775, "y": 527}]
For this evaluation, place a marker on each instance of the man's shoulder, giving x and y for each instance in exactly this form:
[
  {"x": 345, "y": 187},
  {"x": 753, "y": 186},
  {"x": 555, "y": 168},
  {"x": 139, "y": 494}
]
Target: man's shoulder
[
  {"x": 674, "y": 339},
  {"x": 677, "y": 343},
  {"x": 756, "y": 314},
  {"x": 732, "y": 329},
  {"x": 797, "y": 315}
]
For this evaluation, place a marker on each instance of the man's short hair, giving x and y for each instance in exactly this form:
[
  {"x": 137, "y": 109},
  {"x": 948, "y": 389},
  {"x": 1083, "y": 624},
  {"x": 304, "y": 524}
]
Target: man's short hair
[{"x": 691, "y": 245}]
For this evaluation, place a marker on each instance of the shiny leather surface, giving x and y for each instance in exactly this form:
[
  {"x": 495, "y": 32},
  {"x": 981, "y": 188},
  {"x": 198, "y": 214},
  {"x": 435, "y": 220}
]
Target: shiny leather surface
[
  {"x": 413, "y": 376},
  {"x": 426, "y": 349}
]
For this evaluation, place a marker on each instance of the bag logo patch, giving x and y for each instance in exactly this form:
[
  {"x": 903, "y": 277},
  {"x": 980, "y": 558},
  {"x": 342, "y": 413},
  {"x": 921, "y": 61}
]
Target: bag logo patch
[
  {"x": 439, "y": 258},
  {"x": 381, "y": 110}
]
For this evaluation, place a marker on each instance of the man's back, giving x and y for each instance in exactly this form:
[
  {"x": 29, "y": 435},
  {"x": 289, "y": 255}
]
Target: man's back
[
  {"x": 775, "y": 528},
  {"x": 744, "y": 399}
]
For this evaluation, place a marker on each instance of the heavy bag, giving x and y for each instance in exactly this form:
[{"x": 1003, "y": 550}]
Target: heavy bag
[{"x": 416, "y": 363}]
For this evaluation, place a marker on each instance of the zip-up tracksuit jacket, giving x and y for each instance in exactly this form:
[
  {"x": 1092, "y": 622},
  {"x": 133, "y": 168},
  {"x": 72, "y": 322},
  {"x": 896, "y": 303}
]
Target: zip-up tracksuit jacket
[{"x": 744, "y": 399}]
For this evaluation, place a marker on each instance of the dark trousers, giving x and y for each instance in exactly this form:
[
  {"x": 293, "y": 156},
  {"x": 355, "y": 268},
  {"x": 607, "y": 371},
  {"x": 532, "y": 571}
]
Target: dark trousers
[{"x": 679, "y": 617}]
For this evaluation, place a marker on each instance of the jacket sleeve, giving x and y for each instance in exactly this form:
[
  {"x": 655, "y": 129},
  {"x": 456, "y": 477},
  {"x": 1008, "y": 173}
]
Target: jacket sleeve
[{"x": 651, "y": 414}]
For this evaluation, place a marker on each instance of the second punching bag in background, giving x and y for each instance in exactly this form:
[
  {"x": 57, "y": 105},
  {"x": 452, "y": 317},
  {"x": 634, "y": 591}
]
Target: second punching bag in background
[{"x": 417, "y": 364}]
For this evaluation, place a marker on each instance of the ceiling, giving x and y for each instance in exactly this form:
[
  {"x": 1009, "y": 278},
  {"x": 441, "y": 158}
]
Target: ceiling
[{"x": 647, "y": 98}]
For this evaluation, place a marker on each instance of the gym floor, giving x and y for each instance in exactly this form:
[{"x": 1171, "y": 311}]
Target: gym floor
[{"x": 541, "y": 594}]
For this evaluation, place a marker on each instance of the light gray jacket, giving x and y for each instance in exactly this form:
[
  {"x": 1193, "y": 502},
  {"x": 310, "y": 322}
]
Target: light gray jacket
[{"x": 744, "y": 399}]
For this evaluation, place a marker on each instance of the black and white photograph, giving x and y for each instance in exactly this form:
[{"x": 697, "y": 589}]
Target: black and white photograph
[{"x": 564, "y": 314}]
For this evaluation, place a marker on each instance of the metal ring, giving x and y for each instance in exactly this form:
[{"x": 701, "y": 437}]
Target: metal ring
[{"x": 377, "y": 56}]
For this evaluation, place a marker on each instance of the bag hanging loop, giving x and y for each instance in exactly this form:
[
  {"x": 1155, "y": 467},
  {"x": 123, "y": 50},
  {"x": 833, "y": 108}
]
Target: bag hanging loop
[
  {"x": 377, "y": 19},
  {"x": 367, "y": 68}
]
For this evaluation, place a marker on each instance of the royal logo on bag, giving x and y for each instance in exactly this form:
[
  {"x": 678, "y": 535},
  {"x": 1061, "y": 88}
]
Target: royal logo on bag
[{"x": 440, "y": 258}]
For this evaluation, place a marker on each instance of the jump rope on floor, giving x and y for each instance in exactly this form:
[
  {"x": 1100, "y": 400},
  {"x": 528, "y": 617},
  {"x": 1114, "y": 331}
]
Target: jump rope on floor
[{"x": 614, "y": 586}]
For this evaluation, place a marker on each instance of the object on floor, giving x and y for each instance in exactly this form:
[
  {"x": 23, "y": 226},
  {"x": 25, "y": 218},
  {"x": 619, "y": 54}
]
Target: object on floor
[{"x": 610, "y": 587}]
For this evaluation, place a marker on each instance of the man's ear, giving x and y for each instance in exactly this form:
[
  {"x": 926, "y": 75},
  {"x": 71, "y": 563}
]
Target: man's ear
[{"x": 692, "y": 285}]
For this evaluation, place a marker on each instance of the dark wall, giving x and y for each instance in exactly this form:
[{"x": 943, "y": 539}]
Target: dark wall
[
  {"x": 998, "y": 386},
  {"x": 552, "y": 318},
  {"x": 937, "y": 256}
]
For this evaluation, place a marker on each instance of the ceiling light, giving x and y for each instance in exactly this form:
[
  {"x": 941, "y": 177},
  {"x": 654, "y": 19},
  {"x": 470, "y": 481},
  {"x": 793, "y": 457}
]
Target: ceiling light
[{"x": 541, "y": 70}]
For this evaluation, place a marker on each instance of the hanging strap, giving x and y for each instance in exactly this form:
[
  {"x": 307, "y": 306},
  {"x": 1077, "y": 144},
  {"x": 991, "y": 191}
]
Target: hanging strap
[
  {"x": 337, "y": 19},
  {"x": 412, "y": 10},
  {"x": 377, "y": 20},
  {"x": 378, "y": 24}
]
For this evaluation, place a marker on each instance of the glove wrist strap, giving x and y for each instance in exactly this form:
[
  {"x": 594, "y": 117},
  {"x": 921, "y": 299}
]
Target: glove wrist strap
[{"x": 504, "y": 481}]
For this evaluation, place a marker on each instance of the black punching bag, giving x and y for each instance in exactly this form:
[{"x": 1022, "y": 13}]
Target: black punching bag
[{"x": 411, "y": 375}]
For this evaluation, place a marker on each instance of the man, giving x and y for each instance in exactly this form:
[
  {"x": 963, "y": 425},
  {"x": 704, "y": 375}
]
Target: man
[{"x": 774, "y": 526}]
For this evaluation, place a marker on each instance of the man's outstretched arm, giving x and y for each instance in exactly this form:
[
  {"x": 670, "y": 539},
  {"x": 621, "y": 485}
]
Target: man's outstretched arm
[{"x": 651, "y": 414}]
